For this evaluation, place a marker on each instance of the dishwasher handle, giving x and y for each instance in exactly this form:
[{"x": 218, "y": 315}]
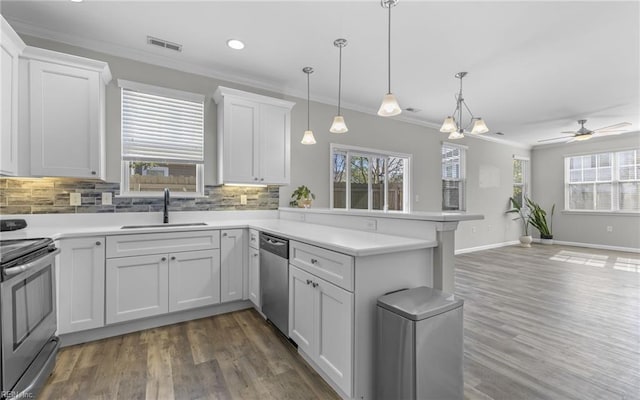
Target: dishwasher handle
[{"x": 274, "y": 244}]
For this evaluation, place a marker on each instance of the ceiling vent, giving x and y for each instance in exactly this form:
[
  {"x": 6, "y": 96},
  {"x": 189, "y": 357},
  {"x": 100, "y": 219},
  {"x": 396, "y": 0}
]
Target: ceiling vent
[
  {"x": 412, "y": 109},
  {"x": 163, "y": 43}
]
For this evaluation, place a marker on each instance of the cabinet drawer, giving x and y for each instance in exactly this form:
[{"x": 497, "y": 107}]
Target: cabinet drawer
[
  {"x": 336, "y": 268},
  {"x": 254, "y": 239},
  {"x": 161, "y": 243}
]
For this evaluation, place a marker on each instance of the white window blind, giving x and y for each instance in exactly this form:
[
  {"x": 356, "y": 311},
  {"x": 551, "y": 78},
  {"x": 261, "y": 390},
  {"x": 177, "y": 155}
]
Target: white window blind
[
  {"x": 161, "y": 128},
  {"x": 453, "y": 176}
]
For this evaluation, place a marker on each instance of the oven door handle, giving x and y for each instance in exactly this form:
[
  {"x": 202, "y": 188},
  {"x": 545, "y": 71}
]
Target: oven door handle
[{"x": 25, "y": 267}]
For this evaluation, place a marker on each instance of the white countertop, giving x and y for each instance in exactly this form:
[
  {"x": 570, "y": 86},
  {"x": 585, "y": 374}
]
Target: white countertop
[
  {"x": 436, "y": 216},
  {"x": 352, "y": 242}
]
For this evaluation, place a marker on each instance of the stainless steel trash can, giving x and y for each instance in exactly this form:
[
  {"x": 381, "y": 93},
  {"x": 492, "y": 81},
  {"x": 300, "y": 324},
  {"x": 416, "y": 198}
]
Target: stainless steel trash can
[{"x": 419, "y": 346}]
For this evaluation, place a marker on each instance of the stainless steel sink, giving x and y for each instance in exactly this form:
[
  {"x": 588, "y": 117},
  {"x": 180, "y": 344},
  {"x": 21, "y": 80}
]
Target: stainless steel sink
[{"x": 163, "y": 225}]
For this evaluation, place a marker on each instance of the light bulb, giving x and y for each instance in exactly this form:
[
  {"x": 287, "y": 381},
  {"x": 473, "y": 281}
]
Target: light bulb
[
  {"x": 455, "y": 135},
  {"x": 585, "y": 136}
]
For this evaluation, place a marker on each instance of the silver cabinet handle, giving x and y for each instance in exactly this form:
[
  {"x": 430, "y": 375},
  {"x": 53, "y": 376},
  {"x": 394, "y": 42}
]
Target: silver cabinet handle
[
  {"x": 94, "y": 173},
  {"x": 164, "y": 258},
  {"x": 315, "y": 285},
  {"x": 314, "y": 261},
  {"x": 261, "y": 179},
  {"x": 224, "y": 234},
  {"x": 255, "y": 179},
  {"x": 309, "y": 281},
  {"x": 256, "y": 255},
  {"x": 173, "y": 257},
  {"x": 98, "y": 243}
]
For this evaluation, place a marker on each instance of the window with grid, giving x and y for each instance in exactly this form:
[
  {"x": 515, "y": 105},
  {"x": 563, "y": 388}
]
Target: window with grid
[
  {"x": 162, "y": 141},
  {"x": 603, "y": 181},
  {"x": 367, "y": 179},
  {"x": 453, "y": 177},
  {"x": 520, "y": 179}
]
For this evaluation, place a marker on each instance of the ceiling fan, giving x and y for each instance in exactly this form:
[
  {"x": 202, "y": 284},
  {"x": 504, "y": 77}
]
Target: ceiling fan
[{"x": 586, "y": 134}]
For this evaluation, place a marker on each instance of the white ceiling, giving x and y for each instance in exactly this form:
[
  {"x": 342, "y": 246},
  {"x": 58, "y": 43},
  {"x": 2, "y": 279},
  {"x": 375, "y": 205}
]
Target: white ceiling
[{"x": 534, "y": 67}]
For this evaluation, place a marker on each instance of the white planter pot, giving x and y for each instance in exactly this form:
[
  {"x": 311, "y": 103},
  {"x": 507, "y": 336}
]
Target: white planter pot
[
  {"x": 525, "y": 241},
  {"x": 546, "y": 241}
]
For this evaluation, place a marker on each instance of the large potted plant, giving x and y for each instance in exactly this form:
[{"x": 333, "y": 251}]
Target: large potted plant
[
  {"x": 302, "y": 197},
  {"x": 538, "y": 219},
  {"x": 524, "y": 216}
]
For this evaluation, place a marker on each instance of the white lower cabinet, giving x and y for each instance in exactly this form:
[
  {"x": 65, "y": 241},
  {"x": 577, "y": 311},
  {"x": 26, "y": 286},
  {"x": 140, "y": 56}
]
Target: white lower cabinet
[
  {"x": 232, "y": 256},
  {"x": 254, "y": 277},
  {"x": 81, "y": 284},
  {"x": 194, "y": 279},
  {"x": 144, "y": 286},
  {"x": 137, "y": 287},
  {"x": 321, "y": 323}
]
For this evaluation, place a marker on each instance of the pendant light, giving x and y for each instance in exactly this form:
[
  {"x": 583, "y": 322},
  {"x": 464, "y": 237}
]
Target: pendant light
[
  {"x": 389, "y": 106},
  {"x": 338, "y": 125},
  {"x": 308, "y": 137},
  {"x": 456, "y": 128}
]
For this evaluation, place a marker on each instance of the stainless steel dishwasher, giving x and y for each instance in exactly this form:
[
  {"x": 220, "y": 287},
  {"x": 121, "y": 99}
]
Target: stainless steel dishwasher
[{"x": 274, "y": 280}]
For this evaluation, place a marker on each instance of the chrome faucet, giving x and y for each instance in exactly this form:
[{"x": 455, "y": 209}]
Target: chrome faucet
[{"x": 165, "y": 218}]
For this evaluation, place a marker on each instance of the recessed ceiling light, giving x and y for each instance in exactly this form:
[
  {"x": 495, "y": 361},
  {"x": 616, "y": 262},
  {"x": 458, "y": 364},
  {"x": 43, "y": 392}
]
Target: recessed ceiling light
[{"x": 235, "y": 44}]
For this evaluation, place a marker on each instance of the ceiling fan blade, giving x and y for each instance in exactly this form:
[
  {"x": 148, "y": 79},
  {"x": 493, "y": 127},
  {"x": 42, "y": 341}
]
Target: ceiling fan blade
[
  {"x": 571, "y": 132},
  {"x": 608, "y": 133},
  {"x": 611, "y": 127},
  {"x": 552, "y": 139}
]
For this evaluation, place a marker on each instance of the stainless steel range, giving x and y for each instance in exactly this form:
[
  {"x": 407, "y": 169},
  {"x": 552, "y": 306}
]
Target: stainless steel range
[{"x": 28, "y": 314}]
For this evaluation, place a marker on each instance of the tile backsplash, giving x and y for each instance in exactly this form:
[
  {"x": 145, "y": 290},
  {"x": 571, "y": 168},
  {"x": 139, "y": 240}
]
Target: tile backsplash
[{"x": 52, "y": 195}]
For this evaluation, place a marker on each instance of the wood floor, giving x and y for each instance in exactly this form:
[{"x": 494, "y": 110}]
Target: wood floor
[
  {"x": 550, "y": 322},
  {"x": 230, "y": 356}
]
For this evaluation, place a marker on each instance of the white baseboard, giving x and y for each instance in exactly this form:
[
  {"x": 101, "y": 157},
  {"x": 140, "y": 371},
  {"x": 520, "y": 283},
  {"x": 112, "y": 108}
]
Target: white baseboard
[
  {"x": 486, "y": 247},
  {"x": 536, "y": 240},
  {"x": 594, "y": 246}
]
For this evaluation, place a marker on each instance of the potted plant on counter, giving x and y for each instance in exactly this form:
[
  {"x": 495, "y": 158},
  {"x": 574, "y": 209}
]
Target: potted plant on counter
[
  {"x": 523, "y": 215},
  {"x": 302, "y": 197},
  {"x": 538, "y": 219}
]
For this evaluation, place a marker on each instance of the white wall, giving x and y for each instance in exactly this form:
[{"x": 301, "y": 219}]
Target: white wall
[
  {"x": 489, "y": 164},
  {"x": 548, "y": 189}
]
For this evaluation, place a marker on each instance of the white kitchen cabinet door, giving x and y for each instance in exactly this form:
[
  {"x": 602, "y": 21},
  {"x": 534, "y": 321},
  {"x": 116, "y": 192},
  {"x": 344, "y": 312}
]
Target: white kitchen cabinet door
[
  {"x": 274, "y": 144},
  {"x": 239, "y": 138},
  {"x": 321, "y": 323},
  {"x": 254, "y": 277},
  {"x": 81, "y": 284},
  {"x": 232, "y": 255},
  {"x": 194, "y": 279},
  {"x": 335, "y": 333},
  {"x": 65, "y": 121},
  {"x": 10, "y": 48},
  {"x": 136, "y": 287},
  {"x": 302, "y": 309},
  {"x": 254, "y": 134}
]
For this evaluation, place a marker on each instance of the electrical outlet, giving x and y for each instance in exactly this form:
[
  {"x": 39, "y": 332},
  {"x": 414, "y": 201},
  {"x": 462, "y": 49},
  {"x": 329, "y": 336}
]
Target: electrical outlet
[
  {"x": 474, "y": 229},
  {"x": 107, "y": 198},
  {"x": 243, "y": 199},
  {"x": 609, "y": 228},
  {"x": 75, "y": 199}
]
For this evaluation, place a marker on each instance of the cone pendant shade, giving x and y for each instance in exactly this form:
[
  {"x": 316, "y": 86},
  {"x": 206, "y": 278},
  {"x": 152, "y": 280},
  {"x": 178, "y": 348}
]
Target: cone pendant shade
[
  {"x": 308, "y": 138},
  {"x": 338, "y": 126},
  {"x": 389, "y": 106},
  {"x": 449, "y": 125}
]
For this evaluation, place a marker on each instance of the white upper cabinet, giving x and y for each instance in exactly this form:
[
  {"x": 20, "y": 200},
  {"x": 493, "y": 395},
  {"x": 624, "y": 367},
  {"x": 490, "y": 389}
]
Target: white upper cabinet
[
  {"x": 254, "y": 134},
  {"x": 66, "y": 114},
  {"x": 11, "y": 46}
]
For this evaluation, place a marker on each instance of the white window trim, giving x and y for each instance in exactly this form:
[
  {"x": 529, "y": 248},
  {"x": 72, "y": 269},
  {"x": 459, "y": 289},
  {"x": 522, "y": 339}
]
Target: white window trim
[
  {"x": 614, "y": 183},
  {"x": 366, "y": 151},
  {"x": 463, "y": 174},
  {"x": 124, "y": 168},
  {"x": 527, "y": 176}
]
